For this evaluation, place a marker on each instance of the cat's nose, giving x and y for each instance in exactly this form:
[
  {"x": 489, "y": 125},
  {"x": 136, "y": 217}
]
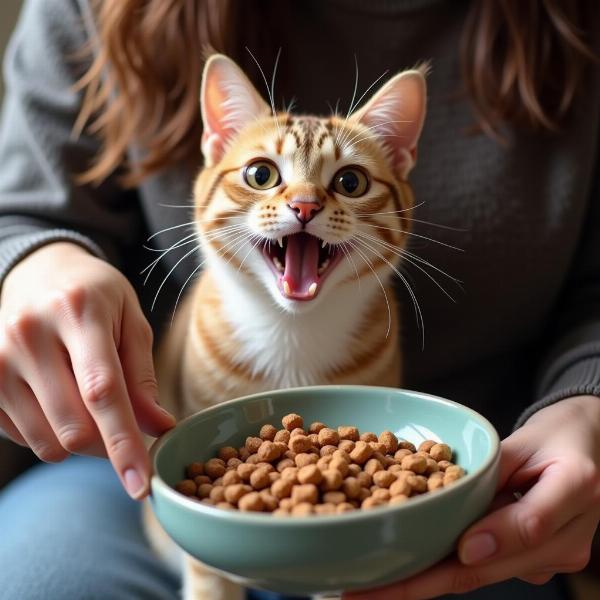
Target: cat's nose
[{"x": 305, "y": 209}]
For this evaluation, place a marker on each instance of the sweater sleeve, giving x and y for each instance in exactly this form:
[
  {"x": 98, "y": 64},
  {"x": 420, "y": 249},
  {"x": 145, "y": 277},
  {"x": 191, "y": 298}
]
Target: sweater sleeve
[
  {"x": 570, "y": 365},
  {"x": 39, "y": 157}
]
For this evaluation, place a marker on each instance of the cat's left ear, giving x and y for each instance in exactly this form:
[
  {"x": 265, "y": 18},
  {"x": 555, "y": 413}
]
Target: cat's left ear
[
  {"x": 396, "y": 114},
  {"x": 229, "y": 102}
]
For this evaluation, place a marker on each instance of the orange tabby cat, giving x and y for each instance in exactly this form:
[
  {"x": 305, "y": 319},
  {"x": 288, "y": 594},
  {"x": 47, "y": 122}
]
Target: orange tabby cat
[{"x": 299, "y": 221}]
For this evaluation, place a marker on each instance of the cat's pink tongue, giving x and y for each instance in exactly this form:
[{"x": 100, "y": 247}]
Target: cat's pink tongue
[{"x": 300, "y": 278}]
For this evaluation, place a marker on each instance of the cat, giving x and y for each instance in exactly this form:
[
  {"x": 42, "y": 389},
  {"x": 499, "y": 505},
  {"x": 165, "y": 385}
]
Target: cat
[{"x": 300, "y": 223}]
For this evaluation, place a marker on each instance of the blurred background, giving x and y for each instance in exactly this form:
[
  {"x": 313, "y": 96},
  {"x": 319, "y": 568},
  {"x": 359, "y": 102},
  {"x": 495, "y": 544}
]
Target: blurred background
[{"x": 9, "y": 9}]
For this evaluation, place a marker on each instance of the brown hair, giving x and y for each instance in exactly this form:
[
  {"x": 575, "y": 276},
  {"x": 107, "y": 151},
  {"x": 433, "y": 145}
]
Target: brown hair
[{"x": 522, "y": 61}]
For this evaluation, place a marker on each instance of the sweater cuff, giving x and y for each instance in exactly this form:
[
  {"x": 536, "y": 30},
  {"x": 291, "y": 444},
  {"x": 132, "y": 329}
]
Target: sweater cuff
[
  {"x": 581, "y": 378},
  {"x": 18, "y": 246}
]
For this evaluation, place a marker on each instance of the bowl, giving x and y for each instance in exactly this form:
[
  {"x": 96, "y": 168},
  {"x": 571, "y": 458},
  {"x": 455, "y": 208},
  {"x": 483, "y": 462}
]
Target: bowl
[{"x": 327, "y": 554}]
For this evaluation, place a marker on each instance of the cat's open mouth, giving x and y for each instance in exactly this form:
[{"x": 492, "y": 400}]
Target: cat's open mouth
[{"x": 301, "y": 264}]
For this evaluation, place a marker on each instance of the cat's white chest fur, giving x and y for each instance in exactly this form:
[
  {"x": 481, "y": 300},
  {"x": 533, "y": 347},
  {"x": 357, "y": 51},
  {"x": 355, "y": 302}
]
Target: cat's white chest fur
[{"x": 286, "y": 349}]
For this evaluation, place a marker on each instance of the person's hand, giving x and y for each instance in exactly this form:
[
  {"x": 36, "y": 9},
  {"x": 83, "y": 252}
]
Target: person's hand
[
  {"x": 554, "y": 460},
  {"x": 76, "y": 370}
]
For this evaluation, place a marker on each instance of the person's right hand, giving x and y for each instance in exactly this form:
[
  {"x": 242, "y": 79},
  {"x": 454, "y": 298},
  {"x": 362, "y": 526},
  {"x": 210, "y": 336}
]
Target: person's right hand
[{"x": 76, "y": 369}]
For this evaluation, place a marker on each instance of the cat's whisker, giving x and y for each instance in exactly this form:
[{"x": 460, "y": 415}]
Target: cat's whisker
[
  {"x": 418, "y": 313},
  {"x": 390, "y": 212},
  {"x": 362, "y": 131},
  {"x": 258, "y": 241},
  {"x": 418, "y": 235},
  {"x": 351, "y": 101},
  {"x": 350, "y": 260},
  {"x": 370, "y": 265},
  {"x": 170, "y": 229},
  {"x": 433, "y": 224},
  {"x": 413, "y": 260},
  {"x": 180, "y": 243},
  {"x": 373, "y": 136}
]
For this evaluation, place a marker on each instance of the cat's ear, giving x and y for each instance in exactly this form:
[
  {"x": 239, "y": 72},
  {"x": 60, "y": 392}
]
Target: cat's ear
[
  {"x": 396, "y": 113},
  {"x": 228, "y": 102}
]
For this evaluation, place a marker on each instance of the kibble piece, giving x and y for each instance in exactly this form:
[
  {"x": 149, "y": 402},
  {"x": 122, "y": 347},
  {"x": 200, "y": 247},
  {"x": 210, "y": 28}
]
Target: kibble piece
[
  {"x": 207, "y": 501},
  {"x": 384, "y": 479},
  {"x": 253, "y": 459},
  {"x": 289, "y": 454},
  {"x": 251, "y": 502},
  {"x": 346, "y": 445},
  {"x": 316, "y": 427},
  {"x": 381, "y": 494},
  {"x": 398, "y": 499},
  {"x": 328, "y": 450},
  {"x": 227, "y": 452},
  {"x": 281, "y": 512},
  {"x": 418, "y": 483},
  {"x": 243, "y": 453},
  {"x": 364, "y": 493},
  {"x": 267, "y": 432},
  {"x": 268, "y": 451},
  {"x": 285, "y": 463},
  {"x": 440, "y": 452},
  {"x": 427, "y": 445},
  {"x": 444, "y": 464},
  {"x": 290, "y": 474},
  {"x": 214, "y": 468},
  {"x": 406, "y": 445},
  {"x": 283, "y": 435},
  {"x": 233, "y": 463},
  {"x": 334, "y": 497},
  {"x": 452, "y": 473},
  {"x": 194, "y": 470},
  {"x": 455, "y": 469},
  {"x": 282, "y": 488},
  {"x": 297, "y": 431},
  {"x": 339, "y": 464},
  {"x": 324, "y": 462},
  {"x": 253, "y": 444},
  {"x": 361, "y": 453},
  {"x": 303, "y": 459},
  {"x": 269, "y": 501},
  {"x": 292, "y": 421},
  {"x": 370, "y": 502},
  {"x": 187, "y": 487},
  {"x": 204, "y": 490},
  {"x": 432, "y": 466},
  {"x": 401, "y": 454},
  {"x": 225, "y": 505},
  {"x": 303, "y": 509},
  {"x": 283, "y": 448},
  {"x": 378, "y": 447},
  {"x": 343, "y": 507},
  {"x": 435, "y": 481},
  {"x": 354, "y": 470},
  {"x": 368, "y": 436},
  {"x": 390, "y": 441},
  {"x": 234, "y": 492},
  {"x": 306, "y": 492},
  {"x": 260, "y": 479},
  {"x": 314, "y": 439},
  {"x": 400, "y": 487},
  {"x": 231, "y": 477},
  {"x": 202, "y": 479},
  {"x": 348, "y": 432},
  {"x": 310, "y": 474},
  {"x": 328, "y": 437},
  {"x": 265, "y": 465},
  {"x": 395, "y": 468},
  {"x": 245, "y": 470},
  {"x": 351, "y": 487},
  {"x": 274, "y": 476},
  {"x": 325, "y": 509},
  {"x": 343, "y": 455},
  {"x": 217, "y": 494},
  {"x": 332, "y": 480},
  {"x": 299, "y": 443},
  {"x": 364, "y": 479},
  {"x": 218, "y": 481},
  {"x": 372, "y": 466},
  {"x": 414, "y": 463}
]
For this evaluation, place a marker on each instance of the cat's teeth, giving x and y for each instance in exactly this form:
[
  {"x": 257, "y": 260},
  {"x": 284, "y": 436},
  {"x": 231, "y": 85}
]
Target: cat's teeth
[
  {"x": 280, "y": 241},
  {"x": 278, "y": 264},
  {"x": 323, "y": 266},
  {"x": 286, "y": 288},
  {"x": 323, "y": 244},
  {"x": 312, "y": 290}
]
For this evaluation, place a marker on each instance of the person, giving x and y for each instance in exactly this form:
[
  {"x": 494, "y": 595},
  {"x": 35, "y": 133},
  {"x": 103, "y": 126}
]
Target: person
[{"x": 98, "y": 150}]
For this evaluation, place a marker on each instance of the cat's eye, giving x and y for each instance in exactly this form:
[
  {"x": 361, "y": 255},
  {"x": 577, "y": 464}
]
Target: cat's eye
[
  {"x": 351, "y": 181},
  {"x": 262, "y": 175}
]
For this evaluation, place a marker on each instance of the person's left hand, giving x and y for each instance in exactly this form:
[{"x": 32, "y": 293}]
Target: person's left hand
[{"x": 554, "y": 459}]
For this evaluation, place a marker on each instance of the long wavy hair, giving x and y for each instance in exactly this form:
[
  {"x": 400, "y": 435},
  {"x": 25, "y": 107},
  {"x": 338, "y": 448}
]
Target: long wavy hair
[{"x": 522, "y": 61}]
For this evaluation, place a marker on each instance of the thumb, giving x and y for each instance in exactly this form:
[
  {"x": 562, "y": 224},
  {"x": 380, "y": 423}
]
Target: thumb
[{"x": 135, "y": 352}]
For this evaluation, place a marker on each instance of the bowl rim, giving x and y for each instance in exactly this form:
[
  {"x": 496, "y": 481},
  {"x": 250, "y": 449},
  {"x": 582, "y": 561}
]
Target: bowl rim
[{"x": 267, "y": 519}]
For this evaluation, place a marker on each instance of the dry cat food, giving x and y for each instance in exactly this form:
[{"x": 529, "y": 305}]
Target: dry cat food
[{"x": 293, "y": 471}]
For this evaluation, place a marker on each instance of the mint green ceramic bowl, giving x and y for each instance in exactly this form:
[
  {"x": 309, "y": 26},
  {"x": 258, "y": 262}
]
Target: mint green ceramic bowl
[{"x": 307, "y": 555}]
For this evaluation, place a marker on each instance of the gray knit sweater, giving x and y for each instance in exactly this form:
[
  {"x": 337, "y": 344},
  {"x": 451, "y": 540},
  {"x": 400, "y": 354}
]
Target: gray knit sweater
[{"x": 524, "y": 330}]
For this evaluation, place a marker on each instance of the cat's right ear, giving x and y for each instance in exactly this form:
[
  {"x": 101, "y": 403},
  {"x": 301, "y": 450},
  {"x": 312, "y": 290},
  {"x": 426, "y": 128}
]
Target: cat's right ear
[{"x": 229, "y": 102}]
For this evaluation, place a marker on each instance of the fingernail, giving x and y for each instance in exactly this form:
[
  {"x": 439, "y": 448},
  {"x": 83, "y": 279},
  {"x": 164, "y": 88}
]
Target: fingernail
[
  {"x": 477, "y": 548},
  {"x": 134, "y": 483}
]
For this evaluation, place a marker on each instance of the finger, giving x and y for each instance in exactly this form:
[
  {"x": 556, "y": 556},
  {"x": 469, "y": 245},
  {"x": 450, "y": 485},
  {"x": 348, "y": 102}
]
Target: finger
[
  {"x": 99, "y": 377},
  {"x": 135, "y": 351},
  {"x": 46, "y": 368},
  {"x": 552, "y": 502},
  {"x": 22, "y": 408},
  {"x": 8, "y": 427}
]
